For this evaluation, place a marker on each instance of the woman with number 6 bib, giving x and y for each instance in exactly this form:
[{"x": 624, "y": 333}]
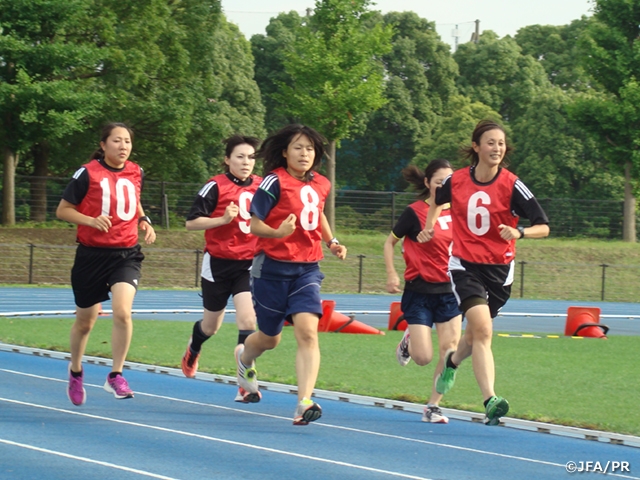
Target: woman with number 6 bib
[
  {"x": 221, "y": 209},
  {"x": 103, "y": 199},
  {"x": 486, "y": 202},
  {"x": 287, "y": 216}
]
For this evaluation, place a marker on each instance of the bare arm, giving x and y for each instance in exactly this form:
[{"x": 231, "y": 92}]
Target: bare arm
[
  {"x": 393, "y": 281},
  {"x": 338, "y": 250},
  {"x": 69, "y": 213},
  {"x": 432, "y": 215},
  {"x": 261, "y": 229},
  {"x": 146, "y": 227},
  {"x": 534, "y": 231},
  {"x": 206, "y": 223}
]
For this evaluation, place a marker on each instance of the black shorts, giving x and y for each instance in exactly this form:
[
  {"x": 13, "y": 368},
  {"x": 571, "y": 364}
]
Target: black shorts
[
  {"x": 489, "y": 283},
  {"x": 222, "y": 278},
  {"x": 96, "y": 269}
]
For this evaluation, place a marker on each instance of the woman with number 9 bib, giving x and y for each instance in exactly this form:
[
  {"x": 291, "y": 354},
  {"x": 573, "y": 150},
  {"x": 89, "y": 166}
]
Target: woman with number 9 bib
[
  {"x": 103, "y": 199},
  {"x": 486, "y": 202},
  {"x": 287, "y": 217}
]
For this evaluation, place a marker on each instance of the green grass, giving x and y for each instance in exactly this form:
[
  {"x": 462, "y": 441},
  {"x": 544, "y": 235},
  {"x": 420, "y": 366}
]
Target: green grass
[{"x": 589, "y": 383}]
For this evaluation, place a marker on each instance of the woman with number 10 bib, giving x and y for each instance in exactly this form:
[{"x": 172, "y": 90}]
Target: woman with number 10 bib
[
  {"x": 287, "y": 217},
  {"x": 486, "y": 202},
  {"x": 103, "y": 199}
]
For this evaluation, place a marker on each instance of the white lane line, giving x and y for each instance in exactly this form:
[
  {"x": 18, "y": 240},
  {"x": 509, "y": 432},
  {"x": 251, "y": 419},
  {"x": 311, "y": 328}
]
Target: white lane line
[
  {"x": 319, "y": 425},
  {"x": 215, "y": 439},
  {"x": 327, "y": 425},
  {"x": 87, "y": 460}
]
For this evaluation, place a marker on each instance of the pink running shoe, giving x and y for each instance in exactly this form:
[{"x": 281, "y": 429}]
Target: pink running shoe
[
  {"x": 118, "y": 386},
  {"x": 75, "y": 391}
]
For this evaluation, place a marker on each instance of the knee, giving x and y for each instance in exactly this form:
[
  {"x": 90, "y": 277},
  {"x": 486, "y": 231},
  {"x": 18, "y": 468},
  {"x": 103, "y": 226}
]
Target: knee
[
  {"x": 482, "y": 334},
  {"x": 121, "y": 316},
  {"x": 422, "y": 358},
  {"x": 307, "y": 338}
]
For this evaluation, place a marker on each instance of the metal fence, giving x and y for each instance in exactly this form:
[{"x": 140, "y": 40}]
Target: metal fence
[
  {"x": 173, "y": 268},
  {"x": 169, "y": 202}
]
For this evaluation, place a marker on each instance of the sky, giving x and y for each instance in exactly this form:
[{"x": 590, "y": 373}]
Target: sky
[{"x": 504, "y": 17}]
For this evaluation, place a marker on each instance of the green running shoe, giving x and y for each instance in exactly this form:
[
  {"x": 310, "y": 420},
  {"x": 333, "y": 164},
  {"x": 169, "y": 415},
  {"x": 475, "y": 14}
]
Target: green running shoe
[
  {"x": 447, "y": 378},
  {"x": 496, "y": 407}
]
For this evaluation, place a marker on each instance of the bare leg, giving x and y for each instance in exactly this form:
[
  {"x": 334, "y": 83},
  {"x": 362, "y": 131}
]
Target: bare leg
[
  {"x": 305, "y": 327},
  {"x": 80, "y": 331},
  {"x": 122, "y": 303},
  {"x": 477, "y": 338},
  {"x": 448, "y": 338}
]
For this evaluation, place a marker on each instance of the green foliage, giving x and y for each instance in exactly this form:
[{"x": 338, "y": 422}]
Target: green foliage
[
  {"x": 556, "y": 49},
  {"x": 610, "y": 51},
  {"x": 555, "y": 157},
  {"x": 335, "y": 76},
  {"x": 495, "y": 72},
  {"x": 177, "y": 72},
  {"x": 420, "y": 79}
]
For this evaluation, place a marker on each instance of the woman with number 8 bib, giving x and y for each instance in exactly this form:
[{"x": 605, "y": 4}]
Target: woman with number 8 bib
[
  {"x": 287, "y": 217},
  {"x": 486, "y": 202},
  {"x": 103, "y": 199}
]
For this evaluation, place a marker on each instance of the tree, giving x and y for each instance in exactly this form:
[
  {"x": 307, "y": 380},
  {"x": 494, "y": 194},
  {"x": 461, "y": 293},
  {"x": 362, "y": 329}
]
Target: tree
[
  {"x": 336, "y": 75},
  {"x": 269, "y": 53},
  {"x": 555, "y": 47},
  {"x": 610, "y": 49},
  {"x": 555, "y": 157},
  {"x": 177, "y": 72},
  {"x": 495, "y": 72},
  {"x": 453, "y": 131},
  {"x": 48, "y": 63},
  {"x": 420, "y": 78}
]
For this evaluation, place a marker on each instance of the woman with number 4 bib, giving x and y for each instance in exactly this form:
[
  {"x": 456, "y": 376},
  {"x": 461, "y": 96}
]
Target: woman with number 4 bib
[
  {"x": 221, "y": 209},
  {"x": 287, "y": 216},
  {"x": 427, "y": 300},
  {"x": 486, "y": 202},
  {"x": 103, "y": 199}
]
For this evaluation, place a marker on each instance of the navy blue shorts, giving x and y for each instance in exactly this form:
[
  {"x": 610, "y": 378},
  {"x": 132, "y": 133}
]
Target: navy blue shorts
[
  {"x": 282, "y": 289},
  {"x": 427, "y": 309}
]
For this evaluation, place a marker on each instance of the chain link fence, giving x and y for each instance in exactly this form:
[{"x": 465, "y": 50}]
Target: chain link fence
[
  {"x": 169, "y": 202},
  {"x": 174, "y": 268}
]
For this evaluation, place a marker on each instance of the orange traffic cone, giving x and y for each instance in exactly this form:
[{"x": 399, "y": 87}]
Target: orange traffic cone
[
  {"x": 332, "y": 321},
  {"x": 584, "y": 322},
  {"x": 396, "y": 317}
]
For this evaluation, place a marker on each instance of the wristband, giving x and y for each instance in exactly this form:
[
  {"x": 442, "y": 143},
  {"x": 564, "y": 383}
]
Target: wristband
[
  {"x": 144, "y": 218},
  {"x": 521, "y": 230},
  {"x": 333, "y": 241}
]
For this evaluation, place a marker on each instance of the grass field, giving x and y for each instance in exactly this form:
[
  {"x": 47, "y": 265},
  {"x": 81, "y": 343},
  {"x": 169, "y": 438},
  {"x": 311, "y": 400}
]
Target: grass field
[{"x": 588, "y": 383}]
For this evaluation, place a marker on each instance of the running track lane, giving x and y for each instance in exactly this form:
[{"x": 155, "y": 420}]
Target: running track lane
[{"x": 178, "y": 428}]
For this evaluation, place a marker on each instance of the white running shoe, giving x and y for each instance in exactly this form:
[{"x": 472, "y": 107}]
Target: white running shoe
[
  {"x": 247, "y": 375},
  {"x": 433, "y": 414},
  {"x": 402, "y": 351}
]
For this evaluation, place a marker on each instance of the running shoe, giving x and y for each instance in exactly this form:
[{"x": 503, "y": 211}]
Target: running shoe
[
  {"x": 190, "y": 361},
  {"x": 247, "y": 375},
  {"x": 446, "y": 379},
  {"x": 433, "y": 414},
  {"x": 118, "y": 386},
  {"x": 496, "y": 407},
  {"x": 402, "y": 350},
  {"x": 75, "y": 391},
  {"x": 246, "y": 397},
  {"x": 306, "y": 411}
]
